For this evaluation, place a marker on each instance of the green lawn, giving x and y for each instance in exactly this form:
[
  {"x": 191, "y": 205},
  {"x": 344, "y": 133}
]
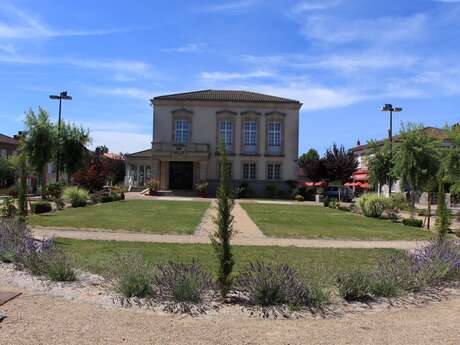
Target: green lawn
[
  {"x": 96, "y": 256},
  {"x": 148, "y": 216},
  {"x": 301, "y": 221}
]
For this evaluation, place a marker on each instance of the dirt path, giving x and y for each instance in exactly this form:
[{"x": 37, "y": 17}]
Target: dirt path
[
  {"x": 243, "y": 241},
  {"x": 37, "y": 319}
]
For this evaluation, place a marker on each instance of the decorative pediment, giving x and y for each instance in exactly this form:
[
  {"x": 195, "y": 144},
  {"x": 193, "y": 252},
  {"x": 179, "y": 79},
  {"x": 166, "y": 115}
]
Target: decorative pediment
[
  {"x": 182, "y": 111},
  {"x": 275, "y": 114},
  {"x": 250, "y": 113}
]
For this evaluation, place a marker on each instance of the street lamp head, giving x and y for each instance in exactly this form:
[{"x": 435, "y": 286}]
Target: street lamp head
[
  {"x": 54, "y": 97},
  {"x": 62, "y": 95},
  {"x": 397, "y": 110},
  {"x": 387, "y": 107}
]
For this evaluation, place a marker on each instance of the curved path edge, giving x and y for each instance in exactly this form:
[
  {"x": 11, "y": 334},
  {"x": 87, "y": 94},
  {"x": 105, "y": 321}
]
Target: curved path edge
[{"x": 79, "y": 234}]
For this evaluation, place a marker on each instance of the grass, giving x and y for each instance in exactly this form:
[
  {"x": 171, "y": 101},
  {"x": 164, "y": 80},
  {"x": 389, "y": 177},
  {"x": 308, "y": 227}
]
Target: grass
[
  {"x": 159, "y": 217},
  {"x": 97, "y": 256},
  {"x": 302, "y": 221}
]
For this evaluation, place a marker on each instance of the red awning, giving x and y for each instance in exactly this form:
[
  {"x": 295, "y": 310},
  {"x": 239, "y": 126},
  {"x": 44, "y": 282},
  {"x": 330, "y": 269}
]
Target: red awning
[
  {"x": 360, "y": 177},
  {"x": 363, "y": 185},
  {"x": 315, "y": 184}
]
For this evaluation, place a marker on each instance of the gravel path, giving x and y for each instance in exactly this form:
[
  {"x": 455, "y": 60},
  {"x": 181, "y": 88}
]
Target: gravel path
[
  {"x": 38, "y": 319},
  {"x": 239, "y": 240}
]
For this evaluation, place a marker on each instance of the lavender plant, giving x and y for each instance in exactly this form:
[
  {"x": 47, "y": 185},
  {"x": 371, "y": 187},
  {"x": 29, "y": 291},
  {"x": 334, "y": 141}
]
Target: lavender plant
[
  {"x": 355, "y": 285},
  {"x": 437, "y": 262},
  {"x": 13, "y": 235},
  {"x": 269, "y": 285},
  {"x": 132, "y": 276},
  {"x": 182, "y": 283}
]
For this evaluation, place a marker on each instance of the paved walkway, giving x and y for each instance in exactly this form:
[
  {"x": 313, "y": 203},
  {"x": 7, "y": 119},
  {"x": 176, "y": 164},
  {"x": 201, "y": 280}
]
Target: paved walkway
[
  {"x": 238, "y": 240},
  {"x": 38, "y": 319}
]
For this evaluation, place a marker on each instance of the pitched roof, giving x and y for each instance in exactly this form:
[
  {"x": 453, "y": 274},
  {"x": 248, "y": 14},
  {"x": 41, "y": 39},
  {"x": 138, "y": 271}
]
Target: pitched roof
[
  {"x": 226, "y": 96},
  {"x": 434, "y": 132},
  {"x": 4, "y": 139}
]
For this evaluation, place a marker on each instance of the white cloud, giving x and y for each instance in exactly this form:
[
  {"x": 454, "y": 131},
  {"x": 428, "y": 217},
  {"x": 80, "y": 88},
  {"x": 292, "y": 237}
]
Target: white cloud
[
  {"x": 222, "y": 76},
  {"x": 227, "y": 6},
  {"x": 188, "y": 48},
  {"x": 384, "y": 30},
  {"x": 7, "y": 48},
  {"x": 130, "y": 92},
  {"x": 304, "y": 6},
  {"x": 24, "y": 26},
  {"x": 121, "y": 141}
]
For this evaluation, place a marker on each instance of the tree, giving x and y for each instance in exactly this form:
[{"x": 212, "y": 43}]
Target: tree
[
  {"x": 379, "y": 164},
  {"x": 7, "y": 172},
  {"x": 40, "y": 142},
  {"x": 100, "y": 150},
  {"x": 340, "y": 164},
  {"x": 312, "y": 165},
  {"x": 73, "y": 141},
  {"x": 417, "y": 160},
  {"x": 451, "y": 162},
  {"x": 224, "y": 221}
]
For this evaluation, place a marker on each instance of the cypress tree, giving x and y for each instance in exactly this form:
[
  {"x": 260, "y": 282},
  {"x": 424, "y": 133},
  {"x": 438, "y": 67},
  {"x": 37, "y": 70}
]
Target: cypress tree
[
  {"x": 224, "y": 221},
  {"x": 442, "y": 212}
]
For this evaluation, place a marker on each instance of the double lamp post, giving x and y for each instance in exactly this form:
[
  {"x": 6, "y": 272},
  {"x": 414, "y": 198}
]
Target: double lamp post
[
  {"x": 62, "y": 96},
  {"x": 389, "y": 108}
]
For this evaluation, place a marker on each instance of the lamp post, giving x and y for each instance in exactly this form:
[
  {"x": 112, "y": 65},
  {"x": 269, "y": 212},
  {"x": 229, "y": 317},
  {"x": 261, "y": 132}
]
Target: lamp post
[
  {"x": 389, "y": 108},
  {"x": 60, "y": 97}
]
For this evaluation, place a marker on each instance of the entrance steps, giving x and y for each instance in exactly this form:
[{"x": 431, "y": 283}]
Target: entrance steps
[{"x": 175, "y": 192}]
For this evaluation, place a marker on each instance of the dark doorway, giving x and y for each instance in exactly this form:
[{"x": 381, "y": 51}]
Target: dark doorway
[{"x": 181, "y": 175}]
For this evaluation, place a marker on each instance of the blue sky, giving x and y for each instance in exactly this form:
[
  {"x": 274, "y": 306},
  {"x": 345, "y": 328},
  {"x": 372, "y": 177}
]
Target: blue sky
[{"x": 342, "y": 59}]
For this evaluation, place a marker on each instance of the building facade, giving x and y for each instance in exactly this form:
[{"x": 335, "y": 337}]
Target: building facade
[{"x": 260, "y": 133}]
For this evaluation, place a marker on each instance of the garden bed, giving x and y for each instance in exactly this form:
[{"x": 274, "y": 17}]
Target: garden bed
[{"x": 96, "y": 290}]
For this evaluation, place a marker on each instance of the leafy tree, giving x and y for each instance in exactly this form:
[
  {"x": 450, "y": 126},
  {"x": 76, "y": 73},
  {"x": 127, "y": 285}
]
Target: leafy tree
[
  {"x": 379, "y": 164},
  {"x": 417, "y": 160},
  {"x": 312, "y": 165},
  {"x": 340, "y": 164},
  {"x": 73, "y": 141},
  {"x": 40, "y": 142},
  {"x": 7, "y": 172},
  {"x": 100, "y": 150},
  {"x": 224, "y": 221}
]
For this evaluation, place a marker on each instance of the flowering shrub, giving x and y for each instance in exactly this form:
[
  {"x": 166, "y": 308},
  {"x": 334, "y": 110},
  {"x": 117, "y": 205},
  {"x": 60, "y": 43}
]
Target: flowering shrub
[
  {"x": 12, "y": 239},
  {"x": 268, "y": 285},
  {"x": 152, "y": 186},
  {"x": 355, "y": 285},
  {"x": 131, "y": 276},
  {"x": 182, "y": 283},
  {"x": 438, "y": 261}
]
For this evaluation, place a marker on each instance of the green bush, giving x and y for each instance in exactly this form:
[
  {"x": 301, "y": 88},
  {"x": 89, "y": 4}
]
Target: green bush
[
  {"x": 41, "y": 207},
  {"x": 8, "y": 208},
  {"x": 355, "y": 285},
  {"x": 372, "y": 205},
  {"x": 76, "y": 196},
  {"x": 418, "y": 223},
  {"x": 107, "y": 198},
  {"x": 399, "y": 201},
  {"x": 59, "y": 267},
  {"x": 131, "y": 275},
  {"x": 299, "y": 198}
]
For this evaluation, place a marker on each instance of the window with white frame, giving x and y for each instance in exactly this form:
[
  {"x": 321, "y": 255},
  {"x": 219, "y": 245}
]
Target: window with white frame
[
  {"x": 274, "y": 137},
  {"x": 249, "y": 171},
  {"x": 250, "y": 137},
  {"x": 274, "y": 171},
  {"x": 226, "y": 134},
  {"x": 181, "y": 131}
]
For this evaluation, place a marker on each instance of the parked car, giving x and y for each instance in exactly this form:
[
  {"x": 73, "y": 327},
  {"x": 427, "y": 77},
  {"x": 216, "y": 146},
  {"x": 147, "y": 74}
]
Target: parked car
[{"x": 346, "y": 194}]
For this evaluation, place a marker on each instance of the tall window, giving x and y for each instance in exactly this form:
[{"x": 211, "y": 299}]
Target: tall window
[
  {"x": 250, "y": 137},
  {"x": 226, "y": 134},
  {"x": 181, "y": 131},
  {"x": 274, "y": 137},
  {"x": 273, "y": 171},
  {"x": 249, "y": 171}
]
